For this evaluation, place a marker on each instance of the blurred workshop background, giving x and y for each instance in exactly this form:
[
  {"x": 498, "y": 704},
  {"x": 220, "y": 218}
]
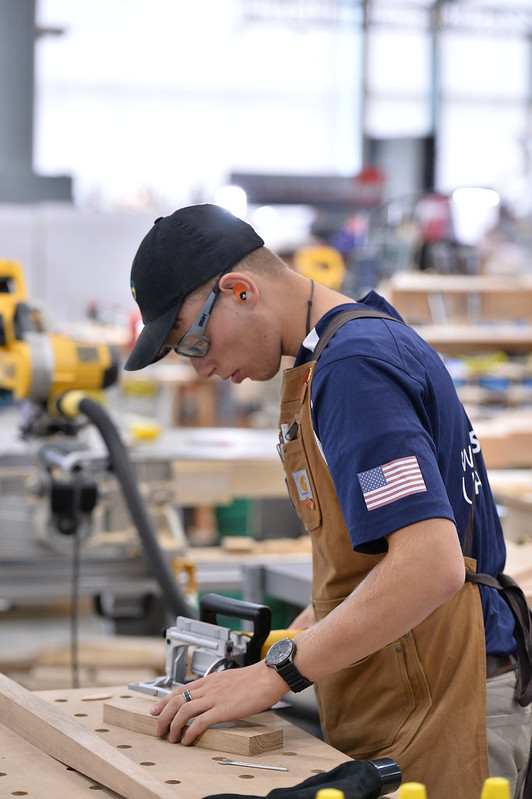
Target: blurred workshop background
[{"x": 374, "y": 144}]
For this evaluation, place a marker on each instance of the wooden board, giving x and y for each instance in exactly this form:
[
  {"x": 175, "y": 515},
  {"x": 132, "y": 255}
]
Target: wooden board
[
  {"x": 190, "y": 771},
  {"x": 60, "y": 736},
  {"x": 235, "y": 737}
]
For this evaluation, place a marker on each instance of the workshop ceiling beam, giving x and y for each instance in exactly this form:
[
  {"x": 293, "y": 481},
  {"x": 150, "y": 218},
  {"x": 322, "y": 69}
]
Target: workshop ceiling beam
[{"x": 486, "y": 18}]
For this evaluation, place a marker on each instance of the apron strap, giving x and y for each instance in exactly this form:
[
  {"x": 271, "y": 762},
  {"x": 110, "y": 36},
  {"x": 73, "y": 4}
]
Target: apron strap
[
  {"x": 516, "y": 600},
  {"x": 346, "y": 316},
  {"x": 514, "y": 597},
  {"x": 467, "y": 547}
]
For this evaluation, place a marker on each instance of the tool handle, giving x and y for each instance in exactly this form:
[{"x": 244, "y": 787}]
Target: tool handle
[{"x": 213, "y": 604}]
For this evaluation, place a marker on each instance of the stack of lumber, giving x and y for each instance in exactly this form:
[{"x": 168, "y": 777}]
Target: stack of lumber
[
  {"x": 101, "y": 661},
  {"x": 506, "y": 439}
]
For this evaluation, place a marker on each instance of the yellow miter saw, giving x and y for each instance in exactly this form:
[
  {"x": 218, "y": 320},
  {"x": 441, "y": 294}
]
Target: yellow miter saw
[
  {"x": 39, "y": 365},
  {"x": 54, "y": 379}
]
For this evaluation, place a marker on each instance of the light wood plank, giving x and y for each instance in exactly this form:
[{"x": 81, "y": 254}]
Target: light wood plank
[
  {"x": 55, "y": 733},
  {"x": 234, "y": 737},
  {"x": 193, "y": 772}
]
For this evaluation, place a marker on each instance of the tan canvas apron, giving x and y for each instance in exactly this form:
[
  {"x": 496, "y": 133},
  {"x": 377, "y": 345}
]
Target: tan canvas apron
[{"x": 422, "y": 699}]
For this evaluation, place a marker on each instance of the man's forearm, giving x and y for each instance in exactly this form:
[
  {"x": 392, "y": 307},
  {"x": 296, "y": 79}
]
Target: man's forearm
[{"x": 422, "y": 569}]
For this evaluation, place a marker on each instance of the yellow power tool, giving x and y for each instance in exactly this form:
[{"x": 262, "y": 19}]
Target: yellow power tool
[{"x": 39, "y": 365}]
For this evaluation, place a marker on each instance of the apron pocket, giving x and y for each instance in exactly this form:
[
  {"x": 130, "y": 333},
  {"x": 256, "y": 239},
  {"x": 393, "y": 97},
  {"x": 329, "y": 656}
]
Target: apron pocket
[
  {"x": 301, "y": 485},
  {"x": 365, "y": 707}
]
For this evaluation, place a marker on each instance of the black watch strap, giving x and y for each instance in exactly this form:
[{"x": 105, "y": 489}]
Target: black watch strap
[{"x": 293, "y": 677}]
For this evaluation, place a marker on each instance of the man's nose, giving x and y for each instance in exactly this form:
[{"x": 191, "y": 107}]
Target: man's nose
[{"x": 200, "y": 366}]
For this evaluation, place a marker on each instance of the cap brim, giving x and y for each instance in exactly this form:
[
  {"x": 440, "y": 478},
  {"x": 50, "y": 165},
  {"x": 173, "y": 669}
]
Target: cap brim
[{"x": 151, "y": 340}]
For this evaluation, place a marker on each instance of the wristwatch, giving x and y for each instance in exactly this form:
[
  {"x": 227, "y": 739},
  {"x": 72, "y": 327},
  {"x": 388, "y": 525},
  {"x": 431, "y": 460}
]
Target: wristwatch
[{"x": 280, "y": 657}]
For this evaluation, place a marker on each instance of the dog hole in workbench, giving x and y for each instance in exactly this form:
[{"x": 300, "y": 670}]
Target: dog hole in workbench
[
  {"x": 288, "y": 754},
  {"x": 60, "y": 700},
  {"x": 96, "y": 697},
  {"x": 81, "y": 715},
  {"x": 124, "y": 746},
  {"x": 318, "y": 771},
  {"x": 101, "y": 729},
  {"x": 96, "y": 788},
  {"x": 246, "y": 776},
  {"x": 173, "y": 782},
  {"x": 19, "y": 793},
  {"x": 147, "y": 763},
  {"x": 3, "y": 774}
]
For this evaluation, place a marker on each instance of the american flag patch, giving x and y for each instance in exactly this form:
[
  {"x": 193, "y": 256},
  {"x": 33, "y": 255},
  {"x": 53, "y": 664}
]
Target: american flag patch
[{"x": 390, "y": 482}]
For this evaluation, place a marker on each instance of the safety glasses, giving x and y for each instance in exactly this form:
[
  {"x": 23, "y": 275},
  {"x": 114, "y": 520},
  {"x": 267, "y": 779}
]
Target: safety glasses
[{"x": 195, "y": 343}]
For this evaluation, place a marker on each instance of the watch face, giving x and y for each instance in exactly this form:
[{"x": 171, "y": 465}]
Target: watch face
[{"x": 280, "y": 651}]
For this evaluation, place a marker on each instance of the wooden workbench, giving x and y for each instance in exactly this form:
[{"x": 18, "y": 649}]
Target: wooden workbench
[{"x": 195, "y": 772}]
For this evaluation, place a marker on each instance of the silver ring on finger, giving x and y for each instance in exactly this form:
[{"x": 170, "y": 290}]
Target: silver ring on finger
[{"x": 187, "y": 696}]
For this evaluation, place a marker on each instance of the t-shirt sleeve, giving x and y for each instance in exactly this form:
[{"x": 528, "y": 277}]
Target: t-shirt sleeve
[{"x": 370, "y": 419}]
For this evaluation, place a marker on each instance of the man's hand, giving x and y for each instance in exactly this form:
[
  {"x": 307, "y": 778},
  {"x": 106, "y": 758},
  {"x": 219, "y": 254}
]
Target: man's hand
[
  {"x": 423, "y": 568},
  {"x": 221, "y": 696}
]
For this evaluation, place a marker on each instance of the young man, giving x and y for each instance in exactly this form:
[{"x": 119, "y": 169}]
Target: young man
[{"x": 387, "y": 474}]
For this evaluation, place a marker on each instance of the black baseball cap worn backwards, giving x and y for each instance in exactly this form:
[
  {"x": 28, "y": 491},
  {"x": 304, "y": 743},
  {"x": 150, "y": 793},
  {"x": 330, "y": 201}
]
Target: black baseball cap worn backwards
[{"x": 179, "y": 254}]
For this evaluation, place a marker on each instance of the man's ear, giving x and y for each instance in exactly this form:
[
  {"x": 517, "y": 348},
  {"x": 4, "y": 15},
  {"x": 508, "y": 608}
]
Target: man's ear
[{"x": 241, "y": 286}]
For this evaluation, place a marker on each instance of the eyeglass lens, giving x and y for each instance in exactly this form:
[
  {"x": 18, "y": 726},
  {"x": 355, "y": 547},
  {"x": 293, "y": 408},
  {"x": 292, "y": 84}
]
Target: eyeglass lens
[{"x": 194, "y": 343}]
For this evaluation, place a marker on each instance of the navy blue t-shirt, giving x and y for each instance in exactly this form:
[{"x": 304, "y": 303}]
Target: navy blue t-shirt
[{"x": 399, "y": 445}]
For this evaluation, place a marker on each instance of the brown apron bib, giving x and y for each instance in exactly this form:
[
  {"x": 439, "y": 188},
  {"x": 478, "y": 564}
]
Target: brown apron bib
[{"x": 420, "y": 700}]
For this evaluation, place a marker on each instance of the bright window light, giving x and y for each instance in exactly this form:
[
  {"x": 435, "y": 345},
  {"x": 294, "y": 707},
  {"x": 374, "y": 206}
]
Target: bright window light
[
  {"x": 234, "y": 199},
  {"x": 476, "y": 198},
  {"x": 475, "y": 211},
  {"x": 265, "y": 216}
]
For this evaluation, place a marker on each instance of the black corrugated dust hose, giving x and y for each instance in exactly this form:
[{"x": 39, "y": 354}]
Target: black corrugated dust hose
[{"x": 72, "y": 403}]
